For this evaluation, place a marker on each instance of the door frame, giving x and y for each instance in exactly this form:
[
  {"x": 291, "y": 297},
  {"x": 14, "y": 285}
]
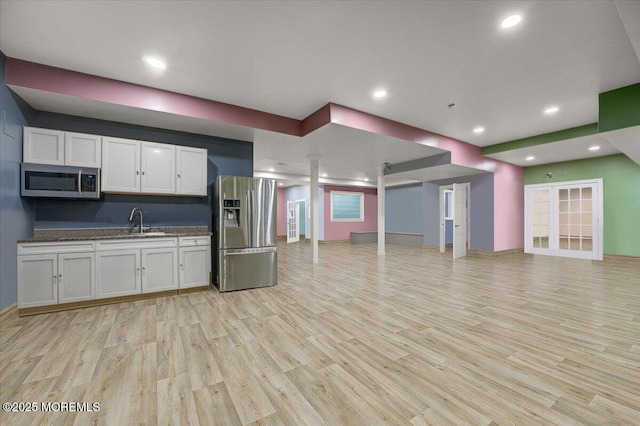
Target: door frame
[
  {"x": 598, "y": 237},
  {"x": 441, "y": 208}
]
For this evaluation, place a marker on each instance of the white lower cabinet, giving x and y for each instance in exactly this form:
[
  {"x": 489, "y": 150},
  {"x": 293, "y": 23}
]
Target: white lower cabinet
[
  {"x": 50, "y": 273},
  {"x": 159, "y": 269},
  {"x": 37, "y": 280},
  {"x": 132, "y": 266},
  {"x": 118, "y": 273},
  {"x": 195, "y": 261},
  {"x": 76, "y": 277}
]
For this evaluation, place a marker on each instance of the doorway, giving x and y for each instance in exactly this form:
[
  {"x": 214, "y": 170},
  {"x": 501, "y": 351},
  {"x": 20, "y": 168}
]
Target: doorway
[
  {"x": 564, "y": 219},
  {"x": 455, "y": 218},
  {"x": 302, "y": 218},
  {"x": 296, "y": 220}
]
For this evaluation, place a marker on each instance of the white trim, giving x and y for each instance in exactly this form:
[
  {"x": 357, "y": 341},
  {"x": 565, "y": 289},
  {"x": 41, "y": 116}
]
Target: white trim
[{"x": 361, "y": 194}]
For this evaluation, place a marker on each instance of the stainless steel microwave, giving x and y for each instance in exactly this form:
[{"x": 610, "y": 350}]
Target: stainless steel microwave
[{"x": 44, "y": 180}]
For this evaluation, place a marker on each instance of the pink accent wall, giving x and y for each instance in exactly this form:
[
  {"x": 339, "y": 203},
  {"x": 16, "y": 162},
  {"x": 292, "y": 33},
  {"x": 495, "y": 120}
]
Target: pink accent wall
[
  {"x": 282, "y": 213},
  {"x": 508, "y": 207},
  {"x": 65, "y": 82},
  {"x": 342, "y": 230}
]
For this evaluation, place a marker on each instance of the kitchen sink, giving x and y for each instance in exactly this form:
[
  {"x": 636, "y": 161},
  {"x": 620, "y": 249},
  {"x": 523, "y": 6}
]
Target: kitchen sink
[{"x": 144, "y": 234}]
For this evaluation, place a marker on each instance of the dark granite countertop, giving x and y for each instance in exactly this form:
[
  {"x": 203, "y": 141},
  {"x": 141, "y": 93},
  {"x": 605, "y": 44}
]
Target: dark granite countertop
[{"x": 84, "y": 234}]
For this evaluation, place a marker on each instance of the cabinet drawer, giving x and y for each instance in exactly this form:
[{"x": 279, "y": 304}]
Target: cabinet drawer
[
  {"x": 136, "y": 243},
  {"x": 56, "y": 247},
  {"x": 195, "y": 241}
]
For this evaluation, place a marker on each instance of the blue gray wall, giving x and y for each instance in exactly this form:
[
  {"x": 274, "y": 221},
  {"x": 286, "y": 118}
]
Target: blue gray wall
[
  {"x": 16, "y": 214},
  {"x": 404, "y": 210},
  {"x": 226, "y": 157},
  {"x": 480, "y": 211}
]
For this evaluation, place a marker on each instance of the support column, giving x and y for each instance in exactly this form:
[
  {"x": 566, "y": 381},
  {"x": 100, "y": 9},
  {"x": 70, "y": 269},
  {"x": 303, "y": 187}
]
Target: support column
[
  {"x": 315, "y": 207},
  {"x": 381, "y": 229}
]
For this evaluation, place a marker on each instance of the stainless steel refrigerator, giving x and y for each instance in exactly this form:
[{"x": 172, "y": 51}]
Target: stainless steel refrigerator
[{"x": 246, "y": 253}]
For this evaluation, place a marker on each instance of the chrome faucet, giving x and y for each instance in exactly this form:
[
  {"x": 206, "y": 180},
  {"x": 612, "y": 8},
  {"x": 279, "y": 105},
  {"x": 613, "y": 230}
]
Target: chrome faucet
[{"x": 133, "y": 211}]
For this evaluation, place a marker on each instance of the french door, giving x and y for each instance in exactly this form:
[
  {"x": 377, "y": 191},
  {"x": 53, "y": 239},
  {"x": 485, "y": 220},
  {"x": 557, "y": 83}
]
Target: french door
[
  {"x": 564, "y": 219},
  {"x": 293, "y": 232}
]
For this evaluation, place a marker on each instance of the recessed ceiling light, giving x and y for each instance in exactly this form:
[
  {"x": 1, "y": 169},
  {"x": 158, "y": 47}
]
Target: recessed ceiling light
[
  {"x": 155, "y": 63},
  {"x": 366, "y": 179},
  {"x": 324, "y": 175},
  {"x": 511, "y": 21},
  {"x": 551, "y": 110},
  {"x": 594, "y": 148},
  {"x": 280, "y": 184},
  {"x": 479, "y": 129},
  {"x": 380, "y": 93},
  {"x": 530, "y": 158},
  {"x": 271, "y": 169}
]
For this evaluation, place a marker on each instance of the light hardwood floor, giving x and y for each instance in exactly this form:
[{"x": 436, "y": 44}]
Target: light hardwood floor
[{"x": 410, "y": 338}]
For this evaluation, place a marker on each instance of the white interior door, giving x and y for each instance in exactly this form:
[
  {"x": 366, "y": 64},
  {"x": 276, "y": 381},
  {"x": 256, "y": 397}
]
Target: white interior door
[
  {"x": 293, "y": 233},
  {"x": 460, "y": 220}
]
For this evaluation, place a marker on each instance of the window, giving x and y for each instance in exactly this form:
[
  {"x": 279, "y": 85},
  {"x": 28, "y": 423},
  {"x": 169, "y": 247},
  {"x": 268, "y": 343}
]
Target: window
[
  {"x": 347, "y": 206},
  {"x": 448, "y": 204}
]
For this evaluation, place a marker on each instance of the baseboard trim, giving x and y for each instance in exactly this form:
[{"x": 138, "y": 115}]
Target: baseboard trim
[
  {"x": 622, "y": 259},
  {"x": 483, "y": 253},
  {"x": 431, "y": 249},
  {"x": 8, "y": 312},
  {"x": 193, "y": 289},
  {"x": 90, "y": 303},
  {"x": 335, "y": 242}
]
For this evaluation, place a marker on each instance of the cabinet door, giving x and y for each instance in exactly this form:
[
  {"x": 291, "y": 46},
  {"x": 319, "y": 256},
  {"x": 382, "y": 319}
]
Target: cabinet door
[
  {"x": 37, "y": 280},
  {"x": 195, "y": 266},
  {"x": 76, "y": 277},
  {"x": 159, "y": 270},
  {"x": 120, "y": 165},
  {"x": 191, "y": 171},
  {"x": 82, "y": 150},
  {"x": 42, "y": 146},
  {"x": 158, "y": 168},
  {"x": 117, "y": 273}
]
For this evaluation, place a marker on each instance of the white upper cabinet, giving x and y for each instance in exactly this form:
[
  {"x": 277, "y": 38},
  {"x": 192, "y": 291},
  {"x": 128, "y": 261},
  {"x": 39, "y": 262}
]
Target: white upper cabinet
[
  {"x": 82, "y": 150},
  {"x": 158, "y": 168},
  {"x": 191, "y": 171},
  {"x": 43, "y": 146},
  {"x": 120, "y": 165},
  {"x": 128, "y": 166}
]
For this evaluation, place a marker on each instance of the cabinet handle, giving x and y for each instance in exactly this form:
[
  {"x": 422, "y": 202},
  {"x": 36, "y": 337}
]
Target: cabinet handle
[
  {"x": 181, "y": 266},
  {"x": 137, "y": 172},
  {"x": 142, "y": 173},
  {"x": 178, "y": 175},
  {"x": 138, "y": 270}
]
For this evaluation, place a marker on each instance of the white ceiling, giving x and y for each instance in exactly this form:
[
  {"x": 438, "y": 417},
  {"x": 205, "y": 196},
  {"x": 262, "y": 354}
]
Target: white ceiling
[
  {"x": 555, "y": 152},
  {"x": 291, "y": 58},
  {"x": 347, "y": 156}
]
